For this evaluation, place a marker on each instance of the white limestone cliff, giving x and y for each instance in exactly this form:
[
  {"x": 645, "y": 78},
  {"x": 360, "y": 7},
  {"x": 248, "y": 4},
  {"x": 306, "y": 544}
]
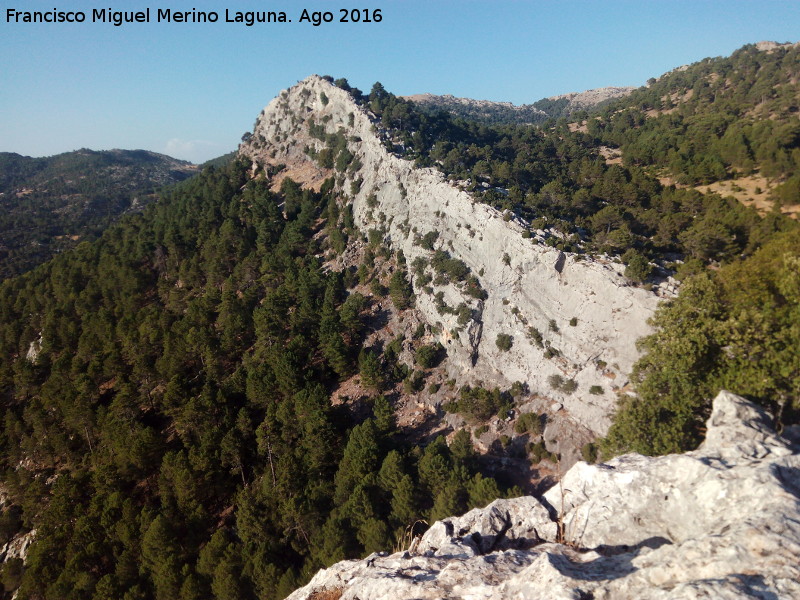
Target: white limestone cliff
[
  {"x": 529, "y": 284},
  {"x": 720, "y": 522}
]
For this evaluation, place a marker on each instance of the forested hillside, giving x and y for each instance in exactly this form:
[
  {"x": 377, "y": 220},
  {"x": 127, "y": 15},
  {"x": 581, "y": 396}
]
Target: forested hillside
[
  {"x": 168, "y": 426},
  {"x": 717, "y": 119},
  {"x": 598, "y": 183},
  {"x": 51, "y": 204}
]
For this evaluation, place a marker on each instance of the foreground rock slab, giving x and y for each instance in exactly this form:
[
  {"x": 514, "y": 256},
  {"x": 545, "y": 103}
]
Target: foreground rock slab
[{"x": 720, "y": 522}]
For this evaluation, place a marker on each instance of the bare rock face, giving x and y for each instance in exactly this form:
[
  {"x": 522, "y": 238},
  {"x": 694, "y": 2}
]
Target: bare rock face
[
  {"x": 590, "y": 98},
  {"x": 769, "y": 46},
  {"x": 34, "y": 350},
  {"x": 584, "y": 309},
  {"x": 722, "y": 521},
  {"x": 17, "y": 547}
]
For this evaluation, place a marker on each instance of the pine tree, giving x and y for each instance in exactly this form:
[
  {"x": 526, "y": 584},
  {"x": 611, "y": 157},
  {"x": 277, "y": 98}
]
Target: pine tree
[
  {"x": 400, "y": 290},
  {"x": 361, "y": 456},
  {"x": 161, "y": 558}
]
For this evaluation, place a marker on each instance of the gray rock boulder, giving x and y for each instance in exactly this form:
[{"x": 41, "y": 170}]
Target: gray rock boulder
[{"x": 722, "y": 521}]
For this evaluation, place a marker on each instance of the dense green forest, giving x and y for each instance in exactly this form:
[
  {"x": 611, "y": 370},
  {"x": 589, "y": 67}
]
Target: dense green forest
[
  {"x": 50, "y": 204},
  {"x": 719, "y": 118},
  {"x": 174, "y": 437},
  {"x": 736, "y": 328}
]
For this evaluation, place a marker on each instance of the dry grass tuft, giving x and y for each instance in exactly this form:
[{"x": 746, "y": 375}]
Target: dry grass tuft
[
  {"x": 328, "y": 594},
  {"x": 409, "y": 540}
]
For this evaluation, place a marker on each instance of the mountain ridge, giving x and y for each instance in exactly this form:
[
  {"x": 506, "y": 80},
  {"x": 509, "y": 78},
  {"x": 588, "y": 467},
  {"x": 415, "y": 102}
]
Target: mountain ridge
[
  {"x": 51, "y": 203},
  {"x": 394, "y": 195},
  {"x": 552, "y": 107}
]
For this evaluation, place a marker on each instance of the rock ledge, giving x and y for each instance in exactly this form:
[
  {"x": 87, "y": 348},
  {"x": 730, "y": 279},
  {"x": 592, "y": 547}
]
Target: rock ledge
[{"x": 720, "y": 522}]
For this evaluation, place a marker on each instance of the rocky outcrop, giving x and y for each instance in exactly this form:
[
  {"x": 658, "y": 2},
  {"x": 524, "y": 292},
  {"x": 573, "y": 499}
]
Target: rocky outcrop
[
  {"x": 589, "y": 98},
  {"x": 722, "y": 521},
  {"x": 586, "y": 312},
  {"x": 17, "y": 547},
  {"x": 769, "y": 46},
  {"x": 35, "y": 348}
]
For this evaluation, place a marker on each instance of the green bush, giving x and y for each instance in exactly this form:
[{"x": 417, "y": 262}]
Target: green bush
[
  {"x": 638, "y": 267},
  {"x": 589, "y": 453},
  {"x": 479, "y": 404},
  {"x": 569, "y": 386},
  {"x": 518, "y": 388},
  {"x": 536, "y": 336},
  {"x": 377, "y": 288},
  {"x": 429, "y": 356},
  {"x": 451, "y": 269},
  {"x": 464, "y": 314},
  {"x": 504, "y": 342},
  {"x": 427, "y": 241},
  {"x": 539, "y": 452},
  {"x": 550, "y": 352},
  {"x": 414, "y": 382},
  {"x": 528, "y": 423},
  {"x": 400, "y": 290}
]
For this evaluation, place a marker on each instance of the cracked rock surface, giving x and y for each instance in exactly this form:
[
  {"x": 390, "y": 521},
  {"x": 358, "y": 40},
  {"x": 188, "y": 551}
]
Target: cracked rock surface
[{"x": 722, "y": 521}]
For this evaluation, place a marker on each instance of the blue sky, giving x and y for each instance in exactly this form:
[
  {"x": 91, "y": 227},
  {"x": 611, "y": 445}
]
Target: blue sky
[{"x": 190, "y": 90}]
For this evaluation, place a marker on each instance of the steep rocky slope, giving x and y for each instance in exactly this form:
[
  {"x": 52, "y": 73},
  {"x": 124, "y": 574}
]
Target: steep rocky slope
[
  {"x": 719, "y": 522},
  {"x": 584, "y": 309}
]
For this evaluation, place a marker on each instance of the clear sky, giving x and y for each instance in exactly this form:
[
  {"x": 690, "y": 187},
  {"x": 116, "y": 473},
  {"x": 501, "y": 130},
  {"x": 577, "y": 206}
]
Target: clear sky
[{"x": 191, "y": 89}]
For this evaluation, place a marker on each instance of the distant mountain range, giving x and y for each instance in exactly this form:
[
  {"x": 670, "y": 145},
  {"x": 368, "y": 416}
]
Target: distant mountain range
[
  {"x": 489, "y": 111},
  {"x": 50, "y": 204}
]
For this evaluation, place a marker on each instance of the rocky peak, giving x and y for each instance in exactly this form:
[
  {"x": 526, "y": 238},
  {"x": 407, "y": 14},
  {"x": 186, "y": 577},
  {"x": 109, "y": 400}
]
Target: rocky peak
[
  {"x": 719, "y": 522},
  {"x": 586, "y": 312}
]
